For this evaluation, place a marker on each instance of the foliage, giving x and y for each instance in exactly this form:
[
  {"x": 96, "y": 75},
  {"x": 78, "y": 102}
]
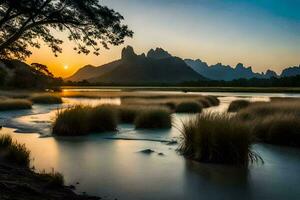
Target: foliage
[
  {"x": 88, "y": 24},
  {"x": 54, "y": 179},
  {"x": 103, "y": 118}
]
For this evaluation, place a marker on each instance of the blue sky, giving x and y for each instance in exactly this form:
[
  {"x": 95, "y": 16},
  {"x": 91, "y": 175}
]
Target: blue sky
[{"x": 259, "y": 33}]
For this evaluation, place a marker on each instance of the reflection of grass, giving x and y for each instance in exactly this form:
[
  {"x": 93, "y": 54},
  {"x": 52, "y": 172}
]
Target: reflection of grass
[
  {"x": 238, "y": 105},
  {"x": 14, "y": 152},
  {"x": 14, "y": 104},
  {"x": 189, "y": 107},
  {"x": 154, "y": 118},
  {"x": 275, "y": 122},
  {"x": 46, "y": 99},
  {"x": 217, "y": 138},
  {"x": 81, "y": 120}
]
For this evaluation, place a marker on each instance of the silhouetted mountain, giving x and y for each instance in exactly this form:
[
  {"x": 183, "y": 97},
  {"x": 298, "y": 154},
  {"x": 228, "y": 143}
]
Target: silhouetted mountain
[
  {"x": 158, "y": 53},
  {"x": 157, "y": 67},
  {"x": 291, "y": 71},
  {"x": 226, "y": 72}
]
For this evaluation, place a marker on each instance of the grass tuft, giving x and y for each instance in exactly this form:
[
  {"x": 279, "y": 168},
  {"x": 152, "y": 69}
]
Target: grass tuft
[
  {"x": 54, "y": 179},
  {"x": 155, "y": 118},
  {"x": 103, "y": 118},
  {"x": 14, "y": 104},
  {"x": 14, "y": 152},
  {"x": 189, "y": 107},
  {"x": 217, "y": 138},
  {"x": 82, "y": 120},
  {"x": 237, "y": 105},
  {"x": 46, "y": 99},
  {"x": 275, "y": 122},
  {"x": 127, "y": 114}
]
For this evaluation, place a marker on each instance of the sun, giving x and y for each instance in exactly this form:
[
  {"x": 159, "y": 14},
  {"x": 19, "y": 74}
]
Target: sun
[{"x": 66, "y": 67}]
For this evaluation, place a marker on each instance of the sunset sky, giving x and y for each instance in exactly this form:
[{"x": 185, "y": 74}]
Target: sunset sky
[{"x": 259, "y": 33}]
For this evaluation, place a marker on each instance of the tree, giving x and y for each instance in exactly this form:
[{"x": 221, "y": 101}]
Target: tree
[
  {"x": 41, "y": 69},
  {"x": 87, "y": 23}
]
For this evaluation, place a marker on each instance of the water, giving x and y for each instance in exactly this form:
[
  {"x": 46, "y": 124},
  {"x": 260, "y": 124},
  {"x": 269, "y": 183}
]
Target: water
[{"x": 111, "y": 166}]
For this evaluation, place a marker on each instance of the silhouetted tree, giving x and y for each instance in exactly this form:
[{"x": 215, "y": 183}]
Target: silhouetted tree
[
  {"x": 87, "y": 23},
  {"x": 41, "y": 69}
]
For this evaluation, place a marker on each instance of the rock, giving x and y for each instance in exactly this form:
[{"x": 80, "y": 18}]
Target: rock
[{"x": 147, "y": 151}]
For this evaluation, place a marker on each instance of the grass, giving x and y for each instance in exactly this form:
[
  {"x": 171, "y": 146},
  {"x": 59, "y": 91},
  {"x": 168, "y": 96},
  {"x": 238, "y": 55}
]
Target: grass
[
  {"x": 14, "y": 152},
  {"x": 213, "y": 100},
  {"x": 237, "y": 105},
  {"x": 275, "y": 122},
  {"x": 14, "y": 104},
  {"x": 154, "y": 118},
  {"x": 46, "y": 99},
  {"x": 103, "y": 118},
  {"x": 54, "y": 179},
  {"x": 82, "y": 120},
  {"x": 127, "y": 114},
  {"x": 217, "y": 138},
  {"x": 189, "y": 107}
]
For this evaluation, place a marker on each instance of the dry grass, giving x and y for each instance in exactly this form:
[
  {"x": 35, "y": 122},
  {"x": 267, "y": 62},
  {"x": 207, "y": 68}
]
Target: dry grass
[
  {"x": 217, "y": 138},
  {"x": 46, "y": 99},
  {"x": 189, "y": 107},
  {"x": 14, "y": 104},
  {"x": 276, "y": 122},
  {"x": 237, "y": 105},
  {"x": 154, "y": 118},
  {"x": 14, "y": 152}
]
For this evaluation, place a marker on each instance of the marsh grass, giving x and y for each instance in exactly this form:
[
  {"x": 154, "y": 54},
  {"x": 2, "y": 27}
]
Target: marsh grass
[
  {"x": 189, "y": 107},
  {"x": 53, "y": 179},
  {"x": 275, "y": 122},
  {"x": 217, "y": 138},
  {"x": 237, "y": 105},
  {"x": 14, "y": 152},
  {"x": 46, "y": 99},
  {"x": 14, "y": 104},
  {"x": 82, "y": 120},
  {"x": 213, "y": 100},
  {"x": 154, "y": 118},
  {"x": 103, "y": 118},
  {"x": 127, "y": 114}
]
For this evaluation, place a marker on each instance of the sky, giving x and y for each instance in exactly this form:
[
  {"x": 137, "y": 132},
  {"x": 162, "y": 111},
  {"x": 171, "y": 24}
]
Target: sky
[{"x": 264, "y": 34}]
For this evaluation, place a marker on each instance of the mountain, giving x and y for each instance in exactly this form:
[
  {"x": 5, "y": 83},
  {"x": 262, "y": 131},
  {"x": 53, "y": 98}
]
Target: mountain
[
  {"x": 226, "y": 72},
  {"x": 157, "y": 67},
  {"x": 291, "y": 71}
]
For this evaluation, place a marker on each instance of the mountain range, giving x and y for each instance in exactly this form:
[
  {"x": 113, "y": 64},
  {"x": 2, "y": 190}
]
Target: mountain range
[{"x": 159, "y": 66}]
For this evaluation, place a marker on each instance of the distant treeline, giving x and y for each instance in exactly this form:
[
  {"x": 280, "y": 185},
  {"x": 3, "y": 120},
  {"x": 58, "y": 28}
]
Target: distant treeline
[{"x": 293, "y": 81}]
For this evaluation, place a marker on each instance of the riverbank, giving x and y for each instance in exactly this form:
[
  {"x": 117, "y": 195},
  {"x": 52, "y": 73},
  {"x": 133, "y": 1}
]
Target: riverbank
[{"x": 23, "y": 184}]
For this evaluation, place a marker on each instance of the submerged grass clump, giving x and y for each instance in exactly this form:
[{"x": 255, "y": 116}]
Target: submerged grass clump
[
  {"x": 189, "y": 107},
  {"x": 14, "y": 104},
  {"x": 81, "y": 120},
  {"x": 103, "y": 118},
  {"x": 217, "y": 138},
  {"x": 46, "y": 99},
  {"x": 275, "y": 122},
  {"x": 127, "y": 114},
  {"x": 238, "y": 105},
  {"x": 155, "y": 118},
  {"x": 14, "y": 152},
  {"x": 72, "y": 121}
]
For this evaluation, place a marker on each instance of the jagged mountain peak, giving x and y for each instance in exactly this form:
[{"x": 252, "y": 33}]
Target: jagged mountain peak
[{"x": 158, "y": 53}]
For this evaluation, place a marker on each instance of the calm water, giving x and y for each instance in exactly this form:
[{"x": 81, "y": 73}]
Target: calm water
[{"x": 111, "y": 166}]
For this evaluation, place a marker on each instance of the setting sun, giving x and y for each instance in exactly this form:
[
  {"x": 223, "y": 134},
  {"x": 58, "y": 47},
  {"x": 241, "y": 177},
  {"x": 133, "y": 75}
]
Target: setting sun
[{"x": 66, "y": 67}]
